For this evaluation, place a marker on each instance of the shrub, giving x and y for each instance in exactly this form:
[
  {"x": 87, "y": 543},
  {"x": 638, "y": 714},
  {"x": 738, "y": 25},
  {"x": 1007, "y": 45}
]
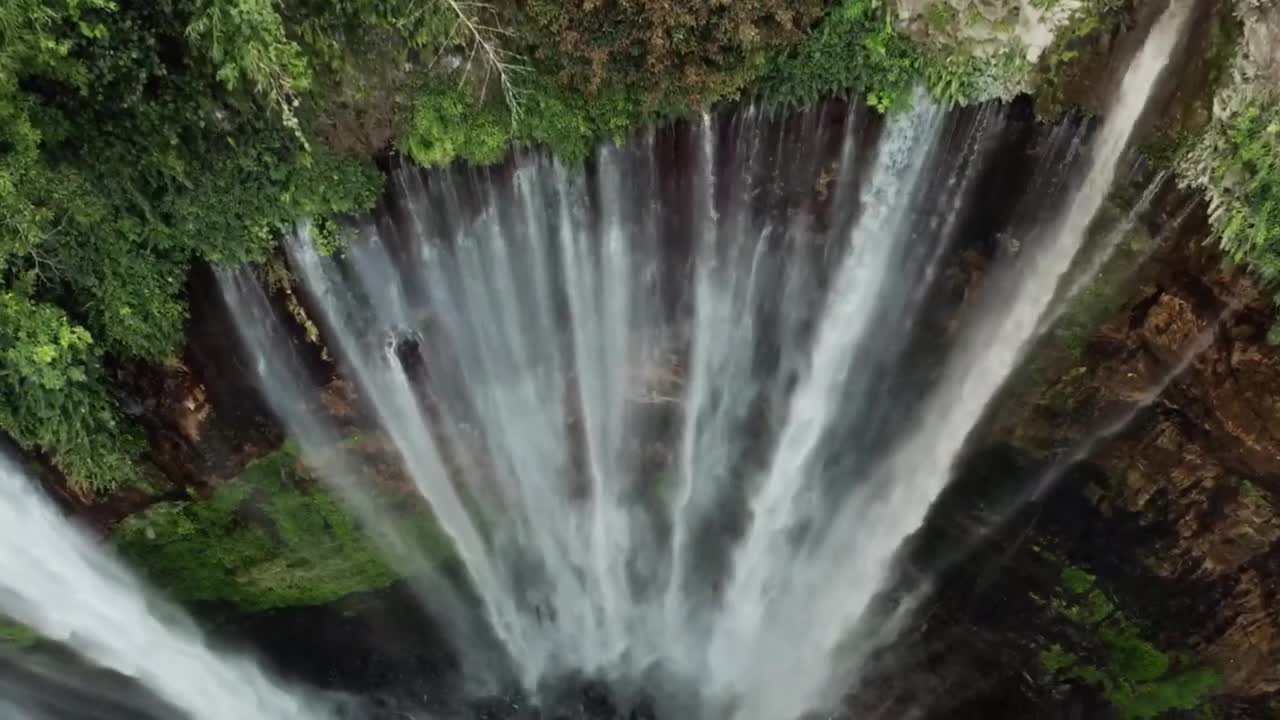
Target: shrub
[{"x": 1237, "y": 164}]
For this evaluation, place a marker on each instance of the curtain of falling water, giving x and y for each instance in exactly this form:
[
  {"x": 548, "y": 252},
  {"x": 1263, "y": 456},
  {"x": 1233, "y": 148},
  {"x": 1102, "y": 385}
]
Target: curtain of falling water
[
  {"x": 57, "y": 581},
  {"x": 836, "y": 582},
  {"x": 652, "y": 403}
]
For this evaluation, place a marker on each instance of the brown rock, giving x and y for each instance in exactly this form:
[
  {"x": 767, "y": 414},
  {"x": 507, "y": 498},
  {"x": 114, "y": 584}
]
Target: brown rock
[{"x": 1245, "y": 655}]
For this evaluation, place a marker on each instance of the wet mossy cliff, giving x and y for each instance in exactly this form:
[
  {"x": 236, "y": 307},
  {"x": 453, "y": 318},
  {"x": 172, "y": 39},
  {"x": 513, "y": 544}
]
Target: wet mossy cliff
[
  {"x": 1121, "y": 548},
  {"x": 1118, "y": 513}
]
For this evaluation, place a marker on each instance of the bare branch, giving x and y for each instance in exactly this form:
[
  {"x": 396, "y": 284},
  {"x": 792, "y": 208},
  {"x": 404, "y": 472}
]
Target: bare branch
[
  {"x": 45, "y": 268},
  {"x": 467, "y": 70},
  {"x": 496, "y": 59}
]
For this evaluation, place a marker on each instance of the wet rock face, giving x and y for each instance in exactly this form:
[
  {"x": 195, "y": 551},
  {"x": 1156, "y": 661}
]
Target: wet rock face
[
  {"x": 1262, "y": 38},
  {"x": 985, "y": 27},
  {"x": 202, "y": 414},
  {"x": 1196, "y": 474}
]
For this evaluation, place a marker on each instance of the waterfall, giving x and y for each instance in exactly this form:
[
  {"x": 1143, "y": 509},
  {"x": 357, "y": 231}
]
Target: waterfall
[
  {"x": 62, "y": 584},
  {"x": 667, "y": 406},
  {"x": 659, "y": 405}
]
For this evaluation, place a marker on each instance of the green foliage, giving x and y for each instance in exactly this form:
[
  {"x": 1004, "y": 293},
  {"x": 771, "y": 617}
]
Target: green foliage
[
  {"x": 1132, "y": 656},
  {"x": 267, "y": 539},
  {"x": 670, "y": 56},
  {"x": 1183, "y": 691},
  {"x": 570, "y": 124},
  {"x": 1062, "y": 60},
  {"x": 1091, "y": 17},
  {"x": 132, "y": 144},
  {"x": 446, "y": 127},
  {"x": 246, "y": 42},
  {"x": 1090, "y": 608},
  {"x": 1055, "y": 658},
  {"x": 958, "y": 78},
  {"x": 1240, "y": 170},
  {"x": 52, "y": 394},
  {"x": 592, "y": 87},
  {"x": 855, "y": 49},
  {"x": 1141, "y": 681},
  {"x": 1076, "y": 581},
  {"x": 364, "y": 57}
]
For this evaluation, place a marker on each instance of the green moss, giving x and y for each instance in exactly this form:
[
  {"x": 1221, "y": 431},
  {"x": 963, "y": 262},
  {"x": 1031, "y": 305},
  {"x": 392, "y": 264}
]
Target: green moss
[
  {"x": 1146, "y": 700},
  {"x": 1056, "y": 659},
  {"x": 268, "y": 539},
  {"x": 1132, "y": 656},
  {"x": 1077, "y": 581},
  {"x": 1249, "y": 490},
  {"x": 17, "y": 636},
  {"x": 1139, "y": 679},
  {"x": 1092, "y": 609},
  {"x": 941, "y": 17}
]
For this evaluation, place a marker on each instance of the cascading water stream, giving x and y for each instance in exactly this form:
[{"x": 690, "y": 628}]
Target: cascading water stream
[
  {"x": 60, "y": 583},
  {"x": 831, "y": 587},
  {"x": 657, "y": 418}
]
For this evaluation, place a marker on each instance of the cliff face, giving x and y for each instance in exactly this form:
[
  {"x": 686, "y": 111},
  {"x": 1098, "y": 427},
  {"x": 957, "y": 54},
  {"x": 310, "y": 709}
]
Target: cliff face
[
  {"x": 1194, "y": 474},
  {"x": 1144, "y": 435}
]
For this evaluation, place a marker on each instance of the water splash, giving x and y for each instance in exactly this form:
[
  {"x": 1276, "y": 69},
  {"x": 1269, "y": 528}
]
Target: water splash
[
  {"x": 657, "y": 417},
  {"x": 60, "y": 583}
]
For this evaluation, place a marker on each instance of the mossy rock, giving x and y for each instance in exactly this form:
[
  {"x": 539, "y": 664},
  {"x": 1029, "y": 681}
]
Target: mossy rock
[
  {"x": 270, "y": 538},
  {"x": 1139, "y": 679}
]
